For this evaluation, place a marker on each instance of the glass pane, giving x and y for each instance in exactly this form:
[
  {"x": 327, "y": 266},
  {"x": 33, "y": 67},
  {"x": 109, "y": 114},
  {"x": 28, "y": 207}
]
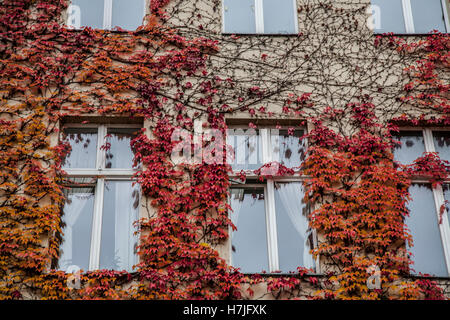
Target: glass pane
[
  {"x": 239, "y": 16},
  {"x": 249, "y": 242},
  {"x": 447, "y": 198},
  {"x": 391, "y": 18},
  {"x": 428, "y": 254},
  {"x": 91, "y": 12},
  {"x": 442, "y": 144},
  {"x": 428, "y": 16},
  {"x": 246, "y": 145},
  {"x": 279, "y": 16},
  {"x": 291, "y": 150},
  {"x": 412, "y": 147},
  {"x": 293, "y": 232},
  {"x": 119, "y": 153},
  {"x": 84, "y": 148},
  {"x": 78, "y": 212},
  {"x": 120, "y": 211},
  {"x": 128, "y": 14}
]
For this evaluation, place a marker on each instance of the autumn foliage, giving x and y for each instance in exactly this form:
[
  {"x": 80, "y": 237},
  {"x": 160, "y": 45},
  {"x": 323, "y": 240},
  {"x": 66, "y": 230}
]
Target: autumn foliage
[{"x": 49, "y": 73}]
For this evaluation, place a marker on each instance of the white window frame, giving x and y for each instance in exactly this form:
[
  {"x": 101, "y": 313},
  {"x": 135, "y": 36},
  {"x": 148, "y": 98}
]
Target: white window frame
[
  {"x": 259, "y": 17},
  {"x": 438, "y": 192},
  {"x": 107, "y": 13},
  {"x": 269, "y": 198},
  {"x": 101, "y": 175},
  {"x": 409, "y": 20}
]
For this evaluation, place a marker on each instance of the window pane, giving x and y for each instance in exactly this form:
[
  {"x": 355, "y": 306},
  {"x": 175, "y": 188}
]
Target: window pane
[
  {"x": 78, "y": 212},
  {"x": 119, "y": 153},
  {"x": 291, "y": 148},
  {"x": 391, "y": 17},
  {"x": 249, "y": 242},
  {"x": 91, "y": 12},
  {"x": 84, "y": 148},
  {"x": 239, "y": 16},
  {"x": 442, "y": 144},
  {"x": 428, "y": 254},
  {"x": 412, "y": 146},
  {"x": 120, "y": 211},
  {"x": 427, "y": 16},
  {"x": 246, "y": 145},
  {"x": 293, "y": 232},
  {"x": 127, "y": 14},
  {"x": 447, "y": 198},
  {"x": 279, "y": 16}
]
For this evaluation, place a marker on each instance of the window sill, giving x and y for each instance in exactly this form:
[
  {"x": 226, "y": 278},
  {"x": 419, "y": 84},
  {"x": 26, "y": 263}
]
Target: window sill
[
  {"x": 281, "y": 275},
  {"x": 290, "y": 35},
  {"x": 406, "y": 34},
  {"x": 76, "y": 30}
]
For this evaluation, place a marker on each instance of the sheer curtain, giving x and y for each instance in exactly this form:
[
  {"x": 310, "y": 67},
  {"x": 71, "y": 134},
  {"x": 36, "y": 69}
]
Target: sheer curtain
[
  {"x": 125, "y": 216},
  {"x": 291, "y": 195},
  {"x": 74, "y": 207}
]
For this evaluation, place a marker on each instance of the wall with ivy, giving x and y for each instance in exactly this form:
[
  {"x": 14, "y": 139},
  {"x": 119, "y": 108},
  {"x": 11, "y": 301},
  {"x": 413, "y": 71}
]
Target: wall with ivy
[{"x": 350, "y": 88}]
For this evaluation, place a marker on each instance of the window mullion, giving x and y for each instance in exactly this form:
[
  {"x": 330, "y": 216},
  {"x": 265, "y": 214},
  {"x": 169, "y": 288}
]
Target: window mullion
[
  {"x": 94, "y": 261},
  {"x": 272, "y": 240},
  {"x": 407, "y": 13},
  {"x": 294, "y": 3},
  {"x": 107, "y": 14},
  {"x": 428, "y": 140},
  {"x": 271, "y": 223},
  {"x": 259, "y": 16}
]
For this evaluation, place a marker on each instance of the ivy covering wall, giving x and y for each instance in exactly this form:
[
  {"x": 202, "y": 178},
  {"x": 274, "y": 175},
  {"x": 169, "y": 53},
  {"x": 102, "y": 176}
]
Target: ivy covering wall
[{"x": 351, "y": 88}]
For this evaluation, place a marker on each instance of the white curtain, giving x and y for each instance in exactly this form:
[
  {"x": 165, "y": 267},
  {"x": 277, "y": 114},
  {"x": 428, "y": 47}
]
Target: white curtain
[
  {"x": 125, "y": 216},
  {"x": 291, "y": 196},
  {"x": 72, "y": 211}
]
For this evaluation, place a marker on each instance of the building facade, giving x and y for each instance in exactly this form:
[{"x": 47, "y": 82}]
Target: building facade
[{"x": 221, "y": 149}]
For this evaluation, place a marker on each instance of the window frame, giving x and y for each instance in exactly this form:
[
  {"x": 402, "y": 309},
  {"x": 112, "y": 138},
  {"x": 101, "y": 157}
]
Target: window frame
[
  {"x": 107, "y": 15},
  {"x": 259, "y": 19},
  {"x": 409, "y": 20},
  {"x": 269, "y": 197},
  {"x": 438, "y": 192},
  {"x": 99, "y": 176}
]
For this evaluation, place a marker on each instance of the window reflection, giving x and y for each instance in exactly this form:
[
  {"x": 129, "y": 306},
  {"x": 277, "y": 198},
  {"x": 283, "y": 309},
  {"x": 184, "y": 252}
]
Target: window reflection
[
  {"x": 391, "y": 16},
  {"x": 279, "y": 16},
  {"x": 239, "y": 16},
  {"x": 91, "y": 13},
  {"x": 127, "y": 14},
  {"x": 247, "y": 148},
  {"x": 291, "y": 148},
  {"x": 119, "y": 153},
  {"x": 83, "y": 143},
  {"x": 442, "y": 144},
  {"x": 427, "y": 16},
  {"x": 412, "y": 146}
]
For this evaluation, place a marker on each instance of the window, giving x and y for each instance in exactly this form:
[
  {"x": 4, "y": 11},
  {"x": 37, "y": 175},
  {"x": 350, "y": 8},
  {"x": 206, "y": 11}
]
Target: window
[
  {"x": 431, "y": 247},
  {"x": 260, "y": 16},
  {"x": 101, "y": 200},
  {"x": 410, "y": 16},
  {"x": 106, "y": 14},
  {"x": 273, "y": 232}
]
